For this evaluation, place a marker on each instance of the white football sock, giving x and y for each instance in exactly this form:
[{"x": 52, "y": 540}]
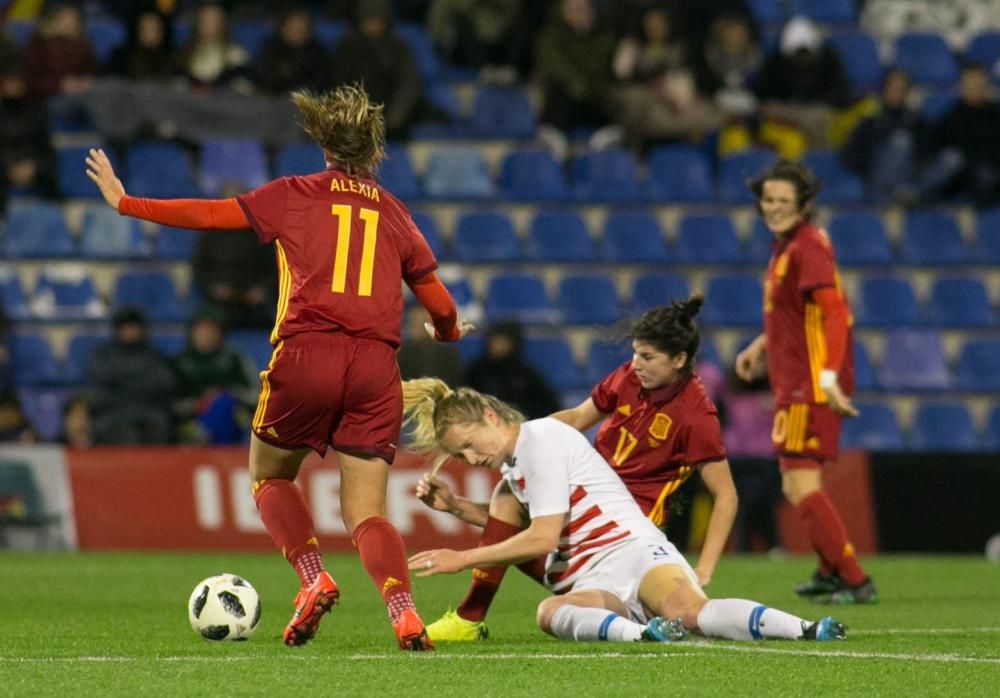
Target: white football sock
[
  {"x": 590, "y": 624},
  {"x": 739, "y": 619}
]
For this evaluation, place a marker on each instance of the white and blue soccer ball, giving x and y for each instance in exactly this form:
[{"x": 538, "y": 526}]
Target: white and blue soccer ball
[{"x": 224, "y": 607}]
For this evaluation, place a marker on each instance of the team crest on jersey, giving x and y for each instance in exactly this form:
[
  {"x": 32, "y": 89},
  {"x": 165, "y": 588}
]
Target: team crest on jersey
[
  {"x": 781, "y": 265},
  {"x": 660, "y": 426}
]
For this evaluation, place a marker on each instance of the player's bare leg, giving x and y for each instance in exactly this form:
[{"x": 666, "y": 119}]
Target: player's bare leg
[
  {"x": 363, "y": 482},
  {"x": 287, "y": 518}
]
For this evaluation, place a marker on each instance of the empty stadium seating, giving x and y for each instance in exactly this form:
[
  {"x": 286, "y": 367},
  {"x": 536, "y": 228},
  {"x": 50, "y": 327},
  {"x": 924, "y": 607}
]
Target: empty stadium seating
[
  {"x": 913, "y": 360},
  {"x": 679, "y": 173},
  {"x": 875, "y": 428},
  {"x": 585, "y": 299},
  {"x": 559, "y": 236},
  {"x": 607, "y": 176},
  {"x": 708, "y": 239},
  {"x": 520, "y": 297},
  {"x": 231, "y": 165},
  {"x": 485, "y": 237},
  {"x": 943, "y": 427},
  {"x": 632, "y": 236},
  {"x": 886, "y": 302},
  {"x": 926, "y": 58},
  {"x": 859, "y": 238},
  {"x": 531, "y": 175}
]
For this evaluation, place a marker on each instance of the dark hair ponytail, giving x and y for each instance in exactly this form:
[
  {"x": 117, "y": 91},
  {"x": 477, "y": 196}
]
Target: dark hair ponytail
[{"x": 671, "y": 328}]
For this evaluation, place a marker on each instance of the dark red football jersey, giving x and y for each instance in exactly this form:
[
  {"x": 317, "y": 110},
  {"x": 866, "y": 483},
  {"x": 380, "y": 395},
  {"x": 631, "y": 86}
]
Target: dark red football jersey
[
  {"x": 343, "y": 246},
  {"x": 654, "y": 439},
  {"x": 796, "y": 346}
]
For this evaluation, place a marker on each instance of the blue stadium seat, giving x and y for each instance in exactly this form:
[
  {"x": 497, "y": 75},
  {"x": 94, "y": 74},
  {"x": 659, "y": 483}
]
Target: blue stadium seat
[
  {"x": 604, "y": 357},
  {"x": 328, "y": 32},
  {"x": 708, "y": 239},
  {"x": 553, "y": 358},
  {"x": 12, "y": 297},
  {"x": 37, "y": 230},
  {"x": 74, "y": 368},
  {"x": 859, "y": 238},
  {"x": 736, "y": 169},
  {"x": 874, "y": 429},
  {"x": 160, "y": 171},
  {"x": 864, "y": 373},
  {"x": 978, "y": 366},
  {"x": 429, "y": 228},
  {"x": 67, "y": 294},
  {"x": 232, "y": 162},
  {"x": 519, "y": 297},
  {"x": 71, "y": 173},
  {"x": 471, "y": 347},
  {"x": 485, "y": 236},
  {"x": 984, "y": 49},
  {"x": 887, "y": 302},
  {"x": 19, "y": 30},
  {"x": 174, "y": 243},
  {"x": 169, "y": 343},
  {"x": 768, "y": 11},
  {"x": 254, "y": 345},
  {"x": 734, "y": 300},
  {"x": 652, "y": 290},
  {"x": 299, "y": 159},
  {"x": 32, "y": 360},
  {"x": 43, "y": 408},
  {"x": 558, "y": 236},
  {"x": 396, "y": 174},
  {"x": 588, "y": 299},
  {"x": 532, "y": 175},
  {"x": 605, "y": 175},
  {"x": 936, "y": 103},
  {"x": 107, "y": 235},
  {"x": 251, "y": 34},
  {"x": 680, "y": 173},
  {"x": 825, "y": 11},
  {"x": 932, "y": 237},
  {"x": 440, "y": 96},
  {"x": 457, "y": 173},
  {"x": 859, "y": 56},
  {"x": 959, "y": 302},
  {"x": 758, "y": 246},
  {"x": 460, "y": 290},
  {"x": 105, "y": 34},
  {"x": 991, "y": 435},
  {"x": 633, "y": 236},
  {"x": 502, "y": 112},
  {"x": 943, "y": 427},
  {"x": 926, "y": 58},
  {"x": 152, "y": 291},
  {"x": 988, "y": 237},
  {"x": 840, "y": 186},
  {"x": 913, "y": 360},
  {"x": 423, "y": 50}
]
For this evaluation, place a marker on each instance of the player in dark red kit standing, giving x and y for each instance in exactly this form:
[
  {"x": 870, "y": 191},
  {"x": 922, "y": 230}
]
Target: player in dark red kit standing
[
  {"x": 343, "y": 247},
  {"x": 809, "y": 361}
]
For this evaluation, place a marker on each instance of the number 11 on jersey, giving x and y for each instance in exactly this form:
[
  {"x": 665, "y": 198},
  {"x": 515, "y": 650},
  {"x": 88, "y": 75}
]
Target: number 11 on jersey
[{"x": 344, "y": 215}]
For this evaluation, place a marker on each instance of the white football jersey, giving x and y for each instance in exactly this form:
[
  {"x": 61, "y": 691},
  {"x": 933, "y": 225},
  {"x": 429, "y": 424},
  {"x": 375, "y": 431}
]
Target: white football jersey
[{"x": 555, "y": 470}]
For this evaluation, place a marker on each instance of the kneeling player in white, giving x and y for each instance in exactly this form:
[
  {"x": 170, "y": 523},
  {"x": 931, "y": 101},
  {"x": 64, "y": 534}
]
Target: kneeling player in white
[{"x": 615, "y": 575}]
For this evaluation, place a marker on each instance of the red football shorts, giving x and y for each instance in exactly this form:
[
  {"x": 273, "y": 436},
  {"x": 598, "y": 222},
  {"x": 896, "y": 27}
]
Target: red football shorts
[
  {"x": 805, "y": 431},
  {"x": 327, "y": 388}
]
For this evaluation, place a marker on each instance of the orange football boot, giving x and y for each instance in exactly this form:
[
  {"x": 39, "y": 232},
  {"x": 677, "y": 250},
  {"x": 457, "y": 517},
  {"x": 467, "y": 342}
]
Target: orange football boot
[
  {"x": 310, "y": 605},
  {"x": 411, "y": 633}
]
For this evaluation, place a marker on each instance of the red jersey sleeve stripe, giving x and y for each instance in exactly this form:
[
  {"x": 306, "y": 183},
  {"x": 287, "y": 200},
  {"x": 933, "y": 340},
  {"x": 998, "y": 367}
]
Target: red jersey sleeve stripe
[
  {"x": 581, "y": 521},
  {"x": 578, "y": 494}
]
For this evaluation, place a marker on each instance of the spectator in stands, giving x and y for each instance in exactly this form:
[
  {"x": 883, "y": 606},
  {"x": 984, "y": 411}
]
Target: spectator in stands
[
  {"x": 6, "y": 368},
  {"x": 968, "y": 159},
  {"x": 728, "y": 64},
  {"x": 77, "y": 431},
  {"x": 373, "y": 54},
  {"x": 146, "y": 55},
  {"x": 800, "y": 87},
  {"x": 503, "y": 371},
  {"x": 14, "y": 425},
  {"x": 885, "y": 148},
  {"x": 58, "y": 59},
  {"x": 210, "y": 59},
  {"x": 234, "y": 272},
  {"x": 131, "y": 385},
  {"x": 214, "y": 384},
  {"x": 292, "y": 58},
  {"x": 483, "y": 34},
  {"x": 658, "y": 98},
  {"x": 573, "y": 57},
  {"x": 421, "y": 356}
]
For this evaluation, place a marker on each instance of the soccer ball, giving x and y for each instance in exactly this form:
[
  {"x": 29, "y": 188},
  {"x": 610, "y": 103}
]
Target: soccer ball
[{"x": 224, "y": 607}]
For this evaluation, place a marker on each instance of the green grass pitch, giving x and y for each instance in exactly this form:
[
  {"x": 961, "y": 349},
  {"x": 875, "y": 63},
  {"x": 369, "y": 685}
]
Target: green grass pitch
[{"x": 116, "y": 624}]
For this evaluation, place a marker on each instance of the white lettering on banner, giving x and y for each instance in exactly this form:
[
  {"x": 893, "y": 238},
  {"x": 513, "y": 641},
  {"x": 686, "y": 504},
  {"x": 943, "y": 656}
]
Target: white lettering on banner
[
  {"x": 207, "y": 497},
  {"x": 324, "y": 498},
  {"x": 245, "y": 514}
]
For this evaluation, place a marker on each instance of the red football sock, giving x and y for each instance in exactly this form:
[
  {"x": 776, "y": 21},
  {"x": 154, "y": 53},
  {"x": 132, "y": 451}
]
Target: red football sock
[
  {"x": 286, "y": 517},
  {"x": 383, "y": 555},
  {"x": 829, "y": 537},
  {"x": 486, "y": 580}
]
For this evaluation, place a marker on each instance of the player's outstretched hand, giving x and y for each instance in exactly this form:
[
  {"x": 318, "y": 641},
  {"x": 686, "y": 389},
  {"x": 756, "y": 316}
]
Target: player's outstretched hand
[
  {"x": 750, "y": 361},
  {"x": 464, "y": 328},
  {"x": 840, "y": 403},
  {"x": 435, "y": 493},
  {"x": 431, "y": 562},
  {"x": 101, "y": 172}
]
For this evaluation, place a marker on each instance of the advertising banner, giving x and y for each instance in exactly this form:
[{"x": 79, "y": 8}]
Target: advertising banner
[{"x": 36, "y": 510}]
